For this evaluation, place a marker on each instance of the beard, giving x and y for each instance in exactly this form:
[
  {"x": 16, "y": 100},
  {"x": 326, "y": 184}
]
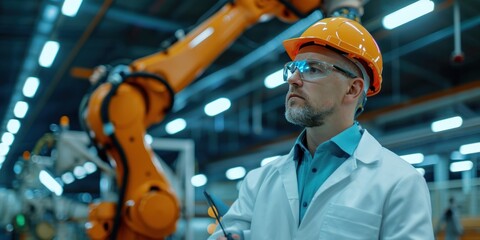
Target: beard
[{"x": 306, "y": 115}]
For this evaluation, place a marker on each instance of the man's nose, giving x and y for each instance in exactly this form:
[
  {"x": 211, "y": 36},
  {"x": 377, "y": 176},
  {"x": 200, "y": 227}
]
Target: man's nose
[{"x": 295, "y": 79}]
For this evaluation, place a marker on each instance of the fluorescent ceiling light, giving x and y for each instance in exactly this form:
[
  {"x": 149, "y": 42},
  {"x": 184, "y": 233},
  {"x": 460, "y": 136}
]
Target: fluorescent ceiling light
[
  {"x": 408, "y": 13},
  {"x": 79, "y": 172},
  {"x": 90, "y": 167},
  {"x": 49, "y": 182},
  {"x": 8, "y": 138},
  {"x": 13, "y": 126},
  {"x": 199, "y": 180},
  {"x": 49, "y": 52},
  {"x": 20, "y": 109},
  {"x": 461, "y": 166},
  {"x": 470, "y": 148},
  {"x": 4, "y": 149},
  {"x": 274, "y": 80},
  {"x": 50, "y": 13},
  {"x": 217, "y": 106},
  {"x": 175, "y": 126},
  {"x": 30, "y": 87},
  {"x": 421, "y": 171},
  {"x": 68, "y": 178},
  {"x": 235, "y": 173},
  {"x": 268, "y": 159},
  {"x": 413, "y": 158},
  {"x": 446, "y": 124},
  {"x": 148, "y": 139},
  {"x": 70, "y": 7}
]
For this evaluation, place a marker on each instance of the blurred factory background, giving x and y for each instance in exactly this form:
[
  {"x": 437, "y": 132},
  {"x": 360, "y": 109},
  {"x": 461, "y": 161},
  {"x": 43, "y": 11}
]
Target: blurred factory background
[{"x": 428, "y": 110}]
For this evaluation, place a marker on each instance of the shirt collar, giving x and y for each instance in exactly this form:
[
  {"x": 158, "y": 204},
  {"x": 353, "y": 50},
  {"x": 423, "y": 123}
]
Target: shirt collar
[
  {"x": 299, "y": 147},
  {"x": 347, "y": 141}
]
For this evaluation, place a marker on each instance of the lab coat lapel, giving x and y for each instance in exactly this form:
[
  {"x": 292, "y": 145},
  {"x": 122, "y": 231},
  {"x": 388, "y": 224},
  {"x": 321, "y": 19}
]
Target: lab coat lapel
[
  {"x": 342, "y": 172},
  {"x": 368, "y": 151},
  {"x": 288, "y": 175}
]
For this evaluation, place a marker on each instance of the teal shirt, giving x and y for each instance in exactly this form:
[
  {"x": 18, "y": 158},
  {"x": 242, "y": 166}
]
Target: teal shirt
[{"x": 312, "y": 172}]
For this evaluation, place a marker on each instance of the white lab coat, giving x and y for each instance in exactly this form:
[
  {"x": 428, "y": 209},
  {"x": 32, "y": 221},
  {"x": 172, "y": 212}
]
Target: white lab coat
[{"x": 373, "y": 195}]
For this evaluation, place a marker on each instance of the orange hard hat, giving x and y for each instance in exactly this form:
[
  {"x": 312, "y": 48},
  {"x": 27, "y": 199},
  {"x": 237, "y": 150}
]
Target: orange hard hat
[{"x": 347, "y": 36}]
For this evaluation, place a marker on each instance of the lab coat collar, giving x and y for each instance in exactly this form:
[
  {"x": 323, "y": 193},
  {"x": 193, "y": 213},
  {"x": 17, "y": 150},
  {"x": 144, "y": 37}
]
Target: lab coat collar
[{"x": 368, "y": 150}]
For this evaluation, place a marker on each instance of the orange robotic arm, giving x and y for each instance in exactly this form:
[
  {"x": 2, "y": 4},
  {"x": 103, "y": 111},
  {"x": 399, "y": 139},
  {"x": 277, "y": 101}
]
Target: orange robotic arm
[{"x": 133, "y": 98}]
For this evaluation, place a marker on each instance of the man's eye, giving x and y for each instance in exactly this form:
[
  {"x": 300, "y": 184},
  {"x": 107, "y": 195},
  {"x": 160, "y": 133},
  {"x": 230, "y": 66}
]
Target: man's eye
[{"x": 315, "y": 70}]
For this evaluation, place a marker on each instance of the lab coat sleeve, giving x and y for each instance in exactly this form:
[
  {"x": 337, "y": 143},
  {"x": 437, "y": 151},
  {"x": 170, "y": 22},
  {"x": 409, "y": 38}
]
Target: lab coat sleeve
[
  {"x": 407, "y": 213},
  {"x": 239, "y": 216}
]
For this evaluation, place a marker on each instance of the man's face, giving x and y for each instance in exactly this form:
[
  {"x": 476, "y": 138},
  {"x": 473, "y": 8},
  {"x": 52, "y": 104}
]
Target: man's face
[{"x": 312, "y": 103}]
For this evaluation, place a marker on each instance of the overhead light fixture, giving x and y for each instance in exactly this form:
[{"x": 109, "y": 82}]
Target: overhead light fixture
[
  {"x": 90, "y": 167},
  {"x": 20, "y": 109},
  {"x": 13, "y": 125},
  {"x": 79, "y": 172},
  {"x": 470, "y": 148},
  {"x": 461, "y": 166},
  {"x": 218, "y": 106},
  {"x": 414, "y": 158},
  {"x": 49, "y": 52},
  {"x": 8, "y": 138},
  {"x": 199, "y": 180},
  {"x": 30, "y": 87},
  {"x": 68, "y": 178},
  {"x": 49, "y": 182},
  {"x": 50, "y": 13},
  {"x": 70, "y": 7},
  {"x": 408, "y": 13},
  {"x": 4, "y": 149},
  {"x": 175, "y": 126},
  {"x": 274, "y": 80},
  {"x": 268, "y": 159},
  {"x": 235, "y": 173},
  {"x": 446, "y": 124}
]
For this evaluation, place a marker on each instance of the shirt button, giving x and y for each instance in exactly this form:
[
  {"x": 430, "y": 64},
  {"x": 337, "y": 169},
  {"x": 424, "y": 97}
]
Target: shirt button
[
  {"x": 305, "y": 204},
  {"x": 314, "y": 170}
]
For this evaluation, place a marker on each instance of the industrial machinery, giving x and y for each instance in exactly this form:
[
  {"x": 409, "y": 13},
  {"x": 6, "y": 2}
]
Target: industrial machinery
[
  {"x": 126, "y": 100},
  {"x": 35, "y": 207},
  {"x": 40, "y": 206}
]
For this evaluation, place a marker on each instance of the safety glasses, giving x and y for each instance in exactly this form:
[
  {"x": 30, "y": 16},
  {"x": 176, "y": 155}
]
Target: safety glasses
[{"x": 312, "y": 70}]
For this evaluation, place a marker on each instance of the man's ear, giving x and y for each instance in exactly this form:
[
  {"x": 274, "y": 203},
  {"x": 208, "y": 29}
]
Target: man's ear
[{"x": 356, "y": 88}]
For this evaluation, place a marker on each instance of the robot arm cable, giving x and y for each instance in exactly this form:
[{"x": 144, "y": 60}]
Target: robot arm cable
[
  {"x": 106, "y": 122},
  {"x": 159, "y": 79}
]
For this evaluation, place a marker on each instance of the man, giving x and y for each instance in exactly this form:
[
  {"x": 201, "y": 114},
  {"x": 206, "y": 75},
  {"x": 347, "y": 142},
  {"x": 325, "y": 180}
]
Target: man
[
  {"x": 337, "y": 182},
  {"x": 451, "y": 220}
]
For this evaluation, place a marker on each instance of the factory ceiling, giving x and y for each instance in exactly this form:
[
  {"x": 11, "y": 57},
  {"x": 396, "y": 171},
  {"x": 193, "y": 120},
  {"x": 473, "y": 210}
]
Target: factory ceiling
[{"x": 424, "y": 79}]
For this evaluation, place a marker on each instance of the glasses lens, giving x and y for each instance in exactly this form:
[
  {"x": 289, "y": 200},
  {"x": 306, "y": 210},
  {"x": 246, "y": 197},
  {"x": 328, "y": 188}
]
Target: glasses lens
[
  {"x": 314, "y": 70},
  {"x": 309, "y": 70},
  {"x": 288, "y": 70}
]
